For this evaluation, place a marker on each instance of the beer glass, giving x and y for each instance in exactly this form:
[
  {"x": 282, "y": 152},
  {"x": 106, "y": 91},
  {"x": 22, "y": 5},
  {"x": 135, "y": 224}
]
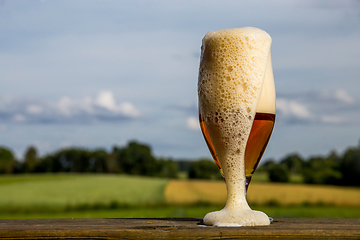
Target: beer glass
[
  {"x": 261, "y": 130},
  {"x": 237, "y": 113}
]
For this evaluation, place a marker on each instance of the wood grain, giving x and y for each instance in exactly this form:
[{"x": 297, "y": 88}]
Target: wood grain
[{"x": 176, "y": 228}]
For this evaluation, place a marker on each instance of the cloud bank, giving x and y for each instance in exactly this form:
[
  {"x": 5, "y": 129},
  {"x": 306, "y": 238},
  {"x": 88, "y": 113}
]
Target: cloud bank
[
  {"x": 316, "y": 107},
  {"x": 102, "y": 108}
]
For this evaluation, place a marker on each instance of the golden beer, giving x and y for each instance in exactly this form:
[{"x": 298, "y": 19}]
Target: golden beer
[
  {"x": 258, "y": 140},
  {"x": 259, "y": 137}
]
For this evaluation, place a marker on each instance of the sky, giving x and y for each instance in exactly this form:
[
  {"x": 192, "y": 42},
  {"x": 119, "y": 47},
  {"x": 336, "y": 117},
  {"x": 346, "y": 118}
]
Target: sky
[{"x": 95, "y": 74}]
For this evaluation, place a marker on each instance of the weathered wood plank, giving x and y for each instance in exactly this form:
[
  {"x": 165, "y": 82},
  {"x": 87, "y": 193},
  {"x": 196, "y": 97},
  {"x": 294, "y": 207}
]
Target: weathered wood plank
[{"x": 175, "y": 228}]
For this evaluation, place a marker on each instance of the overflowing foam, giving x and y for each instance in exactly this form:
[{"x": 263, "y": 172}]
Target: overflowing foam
[
  {"x": 236, "y": 218},
  {"x": 233, "y": 66}
]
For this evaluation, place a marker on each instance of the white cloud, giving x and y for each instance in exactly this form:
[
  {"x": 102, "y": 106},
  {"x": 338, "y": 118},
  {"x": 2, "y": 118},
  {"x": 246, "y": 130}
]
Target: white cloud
[
  {"x": 64, "y": 106},
  {"x": 69, "y": 110},
  {"x": 342, "y": 96},
  {"x": 128, "y": 109},
  {"x": 193, "y": 123},
  {"x": 328, "y": 107},
  {"x": 106, "y": 100},
  {"x": 34, "y": 109},
  {"x": 292, "y": 109}
]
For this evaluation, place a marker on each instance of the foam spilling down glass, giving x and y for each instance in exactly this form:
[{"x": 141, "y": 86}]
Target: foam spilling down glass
[{"x": 237, "y": 113}]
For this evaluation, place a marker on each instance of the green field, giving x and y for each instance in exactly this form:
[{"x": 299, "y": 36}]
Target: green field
[
  {"x": 120, "y": 196},
  {"x": 69, "y": 191}
]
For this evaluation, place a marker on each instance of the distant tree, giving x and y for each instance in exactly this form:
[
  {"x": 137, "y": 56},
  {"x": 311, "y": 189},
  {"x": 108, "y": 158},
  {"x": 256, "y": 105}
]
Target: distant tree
[
  {"x": 137, "y": 159},
  {"x": 294, "y": 163},
  {"x": 184, "y": 165},
  {"x": 350, "y": 167},
  {"x": 7, "y": 161},
  {"x": 98, "y": 161},
  {"x": 279, "y": 173},
  {"x": 52, "y": 163},
  {"x": 266, "y": 166},
  {"x": 65, "y": 160},
  {"x": 75, "y": 160},
  {"x": 167, "y": 168},
  {"x": 112, "y": 164},
  {"x": 43, "y": 164},
  {"x": 334, "y": 157},
  {"x": 30, "y": 159},
  {"x": 322, "y": 170},
  {"x": 204, "y": 169}
]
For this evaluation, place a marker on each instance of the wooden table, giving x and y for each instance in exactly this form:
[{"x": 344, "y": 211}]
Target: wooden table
[{"x": 176, "y": 228}]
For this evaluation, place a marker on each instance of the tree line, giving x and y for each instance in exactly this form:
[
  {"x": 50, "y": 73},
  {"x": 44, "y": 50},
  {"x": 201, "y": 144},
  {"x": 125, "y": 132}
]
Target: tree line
[
  {"x": 137, "y": 159},
  {"x": 333, "y": 169},
  {"x": 133, "y": 159}
]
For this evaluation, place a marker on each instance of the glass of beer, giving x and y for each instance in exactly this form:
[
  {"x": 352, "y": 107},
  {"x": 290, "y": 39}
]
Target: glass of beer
[
  {"x": 261, "y": 130},
  {"x": 237, "y": 113}
]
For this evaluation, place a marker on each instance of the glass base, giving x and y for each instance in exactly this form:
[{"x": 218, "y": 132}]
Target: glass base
[{"x": 248, "y": 180}]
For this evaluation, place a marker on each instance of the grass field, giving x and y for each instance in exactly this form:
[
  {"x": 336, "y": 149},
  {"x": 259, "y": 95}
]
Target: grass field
[
  {"x": 68, "y": 190},
  {"x": 121, "y": 196}
]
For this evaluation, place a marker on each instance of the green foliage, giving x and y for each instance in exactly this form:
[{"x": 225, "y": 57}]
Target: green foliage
[
  {"x": 279, "y": 173},
  {"x": 204, "y": 169},
  {"x": 294, "y": 163},
  {"x": 167, "y": 168},
  {"x": 350, "y": 167},
  {"x": 98, "y": 161},
  {"x": 266, "y": 166},
  {"x": 134, "y": 159},
  {"x": 30, "y": 159},
  {"x": 73, "y": 160},
  {"x": 137, "y": 159},
  {"x": 330, "y": 169},
  {"x": 322, "y": 170},
  {"x": 184, "y": 165},
  {"x": 6, "y": 154},
  {"x": 7, "y": 160}
]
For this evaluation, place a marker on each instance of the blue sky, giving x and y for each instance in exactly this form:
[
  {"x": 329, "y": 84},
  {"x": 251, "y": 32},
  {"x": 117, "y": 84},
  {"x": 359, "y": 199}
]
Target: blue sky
[{"x": 92, "y": 74}]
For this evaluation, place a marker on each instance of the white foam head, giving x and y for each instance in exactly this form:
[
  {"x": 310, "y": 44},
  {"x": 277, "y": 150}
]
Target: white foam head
[{"x": 232, "y": 68}]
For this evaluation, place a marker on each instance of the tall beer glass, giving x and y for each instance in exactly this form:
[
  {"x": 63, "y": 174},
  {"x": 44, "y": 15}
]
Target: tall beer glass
[
  {"x": 235, "y": 67},
  {"x": 261, "y": 129}
]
